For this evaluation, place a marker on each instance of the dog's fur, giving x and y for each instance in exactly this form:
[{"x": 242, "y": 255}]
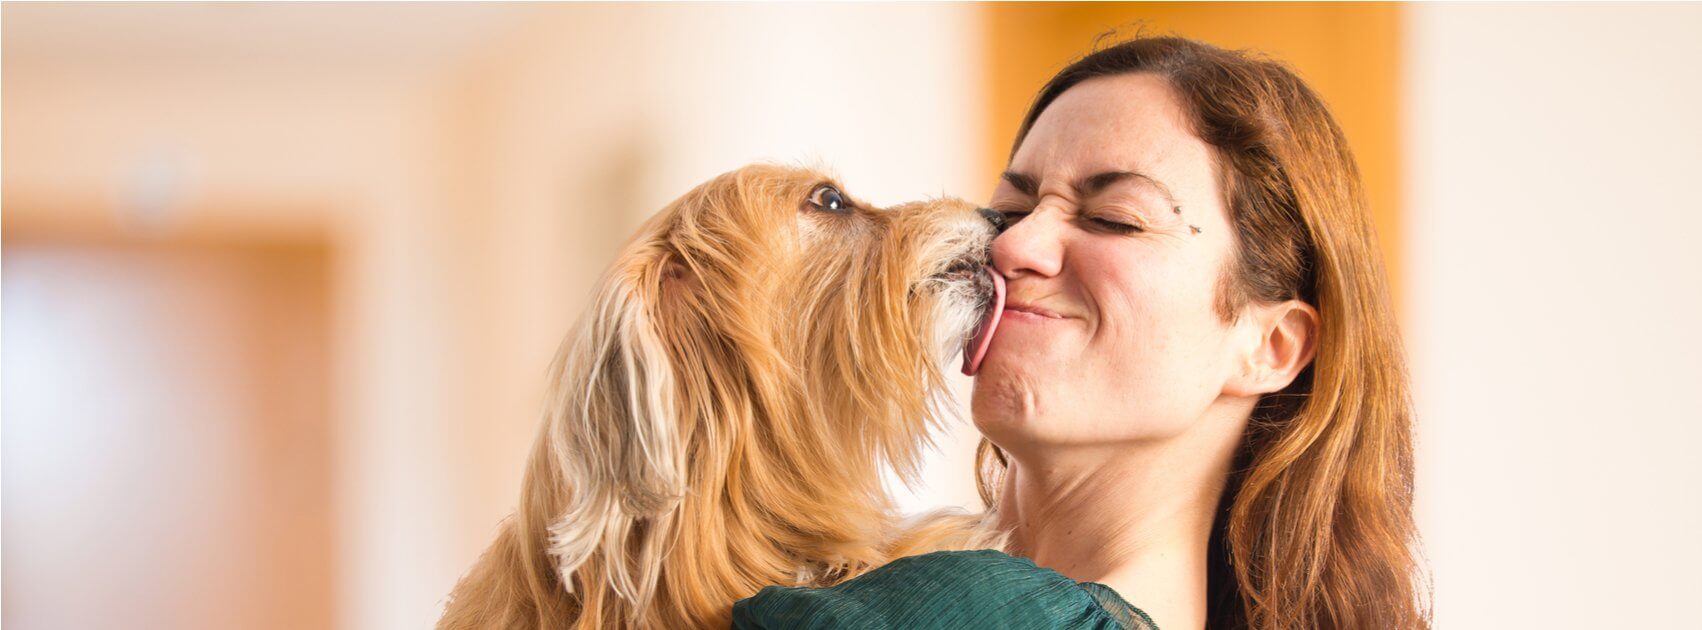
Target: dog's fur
[{"x": 719, "y": 420}]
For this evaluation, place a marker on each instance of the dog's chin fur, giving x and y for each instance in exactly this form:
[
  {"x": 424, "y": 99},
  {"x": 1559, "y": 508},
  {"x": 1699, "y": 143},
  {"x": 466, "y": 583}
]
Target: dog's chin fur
[{"x": 719, "y": 420}]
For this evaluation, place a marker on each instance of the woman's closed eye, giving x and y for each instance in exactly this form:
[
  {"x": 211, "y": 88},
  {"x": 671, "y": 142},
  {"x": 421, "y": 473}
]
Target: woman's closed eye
[
  {"x": 1013, "y": 211},
  {"x": 1112, "y": 224},
  {"x": 1115, "y": 225}
]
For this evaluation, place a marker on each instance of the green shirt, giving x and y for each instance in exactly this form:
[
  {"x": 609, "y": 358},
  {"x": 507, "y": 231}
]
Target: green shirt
[{"x": 946, "y": 589}]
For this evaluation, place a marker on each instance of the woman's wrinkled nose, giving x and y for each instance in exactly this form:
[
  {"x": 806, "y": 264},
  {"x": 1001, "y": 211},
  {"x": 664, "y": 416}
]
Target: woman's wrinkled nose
[{"x": 1033, "y": 245}]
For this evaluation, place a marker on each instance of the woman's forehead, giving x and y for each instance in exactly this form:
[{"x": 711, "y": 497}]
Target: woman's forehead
[{"x": 1132, "y": 122}]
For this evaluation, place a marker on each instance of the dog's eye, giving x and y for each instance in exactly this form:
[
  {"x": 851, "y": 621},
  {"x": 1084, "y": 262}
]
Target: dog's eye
[{"x": 829, "y": 199}]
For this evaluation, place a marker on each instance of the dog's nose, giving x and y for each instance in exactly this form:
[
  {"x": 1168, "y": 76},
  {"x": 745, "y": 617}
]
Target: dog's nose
[{"x": 993, "y": 217}]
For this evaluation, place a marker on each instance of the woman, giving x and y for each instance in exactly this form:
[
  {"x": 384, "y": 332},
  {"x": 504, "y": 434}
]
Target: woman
[{"x": 1195, "y": 405}]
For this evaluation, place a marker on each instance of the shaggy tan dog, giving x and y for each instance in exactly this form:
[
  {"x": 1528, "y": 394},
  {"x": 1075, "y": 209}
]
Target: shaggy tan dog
[{"x": 719, "y": 420}]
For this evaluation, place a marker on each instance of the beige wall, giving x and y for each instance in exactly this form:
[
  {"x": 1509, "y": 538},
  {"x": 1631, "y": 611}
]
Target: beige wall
[{"x": 1554, "y": 307}]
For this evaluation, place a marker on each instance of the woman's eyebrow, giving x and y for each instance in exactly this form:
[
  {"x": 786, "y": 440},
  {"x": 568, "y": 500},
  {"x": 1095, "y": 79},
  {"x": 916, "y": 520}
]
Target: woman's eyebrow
[
  {"x": 1093, "y": 184},
  {"x": 1090, "y": 185},
  {"x": 1023, "y": 183}
]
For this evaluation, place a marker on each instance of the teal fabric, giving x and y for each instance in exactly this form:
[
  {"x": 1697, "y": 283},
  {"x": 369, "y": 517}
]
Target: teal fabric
[{"x": 946, "y": 589}]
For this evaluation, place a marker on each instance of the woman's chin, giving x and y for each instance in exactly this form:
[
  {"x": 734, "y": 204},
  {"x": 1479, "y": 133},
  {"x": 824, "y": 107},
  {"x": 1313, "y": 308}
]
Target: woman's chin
[{"x": 1009, "y": 391}]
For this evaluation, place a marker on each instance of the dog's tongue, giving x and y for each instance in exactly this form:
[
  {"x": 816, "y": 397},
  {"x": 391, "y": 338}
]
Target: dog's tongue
[{"x": 976, "y": 349}]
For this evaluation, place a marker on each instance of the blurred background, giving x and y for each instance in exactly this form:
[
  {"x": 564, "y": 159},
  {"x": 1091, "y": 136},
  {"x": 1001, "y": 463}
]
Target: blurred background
[{"x": 280, "y": 282}]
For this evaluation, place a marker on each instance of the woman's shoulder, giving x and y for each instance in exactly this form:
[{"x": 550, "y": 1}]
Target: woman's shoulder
[{"x": 945, "y": 589}]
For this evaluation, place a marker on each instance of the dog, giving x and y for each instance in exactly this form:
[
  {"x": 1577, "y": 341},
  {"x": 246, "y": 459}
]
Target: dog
[{"x": 719, "y": 419}]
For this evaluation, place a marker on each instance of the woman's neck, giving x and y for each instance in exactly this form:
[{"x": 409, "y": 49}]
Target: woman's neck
[{"x": 1137, "y": 519}]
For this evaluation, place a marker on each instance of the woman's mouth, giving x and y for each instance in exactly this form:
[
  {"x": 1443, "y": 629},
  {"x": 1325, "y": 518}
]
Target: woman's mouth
[{"x": 1020, "y": 309}]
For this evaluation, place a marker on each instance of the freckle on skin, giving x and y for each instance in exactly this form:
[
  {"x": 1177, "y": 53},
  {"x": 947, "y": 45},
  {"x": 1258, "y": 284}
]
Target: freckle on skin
[{"x": 1195, "y": 228}]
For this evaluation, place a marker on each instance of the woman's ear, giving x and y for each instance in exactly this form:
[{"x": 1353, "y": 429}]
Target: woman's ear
[{"x": 1286, "y": 342}]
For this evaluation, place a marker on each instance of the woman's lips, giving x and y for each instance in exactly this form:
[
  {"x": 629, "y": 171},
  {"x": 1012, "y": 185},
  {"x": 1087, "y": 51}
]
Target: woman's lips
[{"x": 1029, "y": 311}]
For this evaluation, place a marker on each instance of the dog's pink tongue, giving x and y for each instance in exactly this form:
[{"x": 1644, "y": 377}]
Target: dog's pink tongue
[{"x": 976, "y": 349}]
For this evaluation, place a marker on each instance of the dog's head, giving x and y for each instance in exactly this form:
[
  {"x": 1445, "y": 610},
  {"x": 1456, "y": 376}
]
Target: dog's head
[{"x": 762, "y": 347}]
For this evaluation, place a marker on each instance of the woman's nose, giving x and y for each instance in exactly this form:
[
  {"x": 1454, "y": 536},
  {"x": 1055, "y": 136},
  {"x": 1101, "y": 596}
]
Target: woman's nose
[{"x": 1033, "y": 244}]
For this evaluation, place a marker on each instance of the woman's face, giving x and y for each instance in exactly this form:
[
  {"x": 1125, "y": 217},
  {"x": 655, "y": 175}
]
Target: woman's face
[{"x": 1117, "y": 244}]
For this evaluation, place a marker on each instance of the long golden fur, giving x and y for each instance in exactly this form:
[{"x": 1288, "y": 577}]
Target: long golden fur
[{"x": 719, "y": 420}]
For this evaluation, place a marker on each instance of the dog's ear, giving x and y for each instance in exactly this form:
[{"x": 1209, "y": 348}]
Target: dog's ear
[{"x": 615, "y": 435}]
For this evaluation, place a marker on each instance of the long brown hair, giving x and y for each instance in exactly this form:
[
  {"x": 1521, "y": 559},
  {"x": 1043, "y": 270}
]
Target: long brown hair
[{"x": 1316, "y": 527}]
